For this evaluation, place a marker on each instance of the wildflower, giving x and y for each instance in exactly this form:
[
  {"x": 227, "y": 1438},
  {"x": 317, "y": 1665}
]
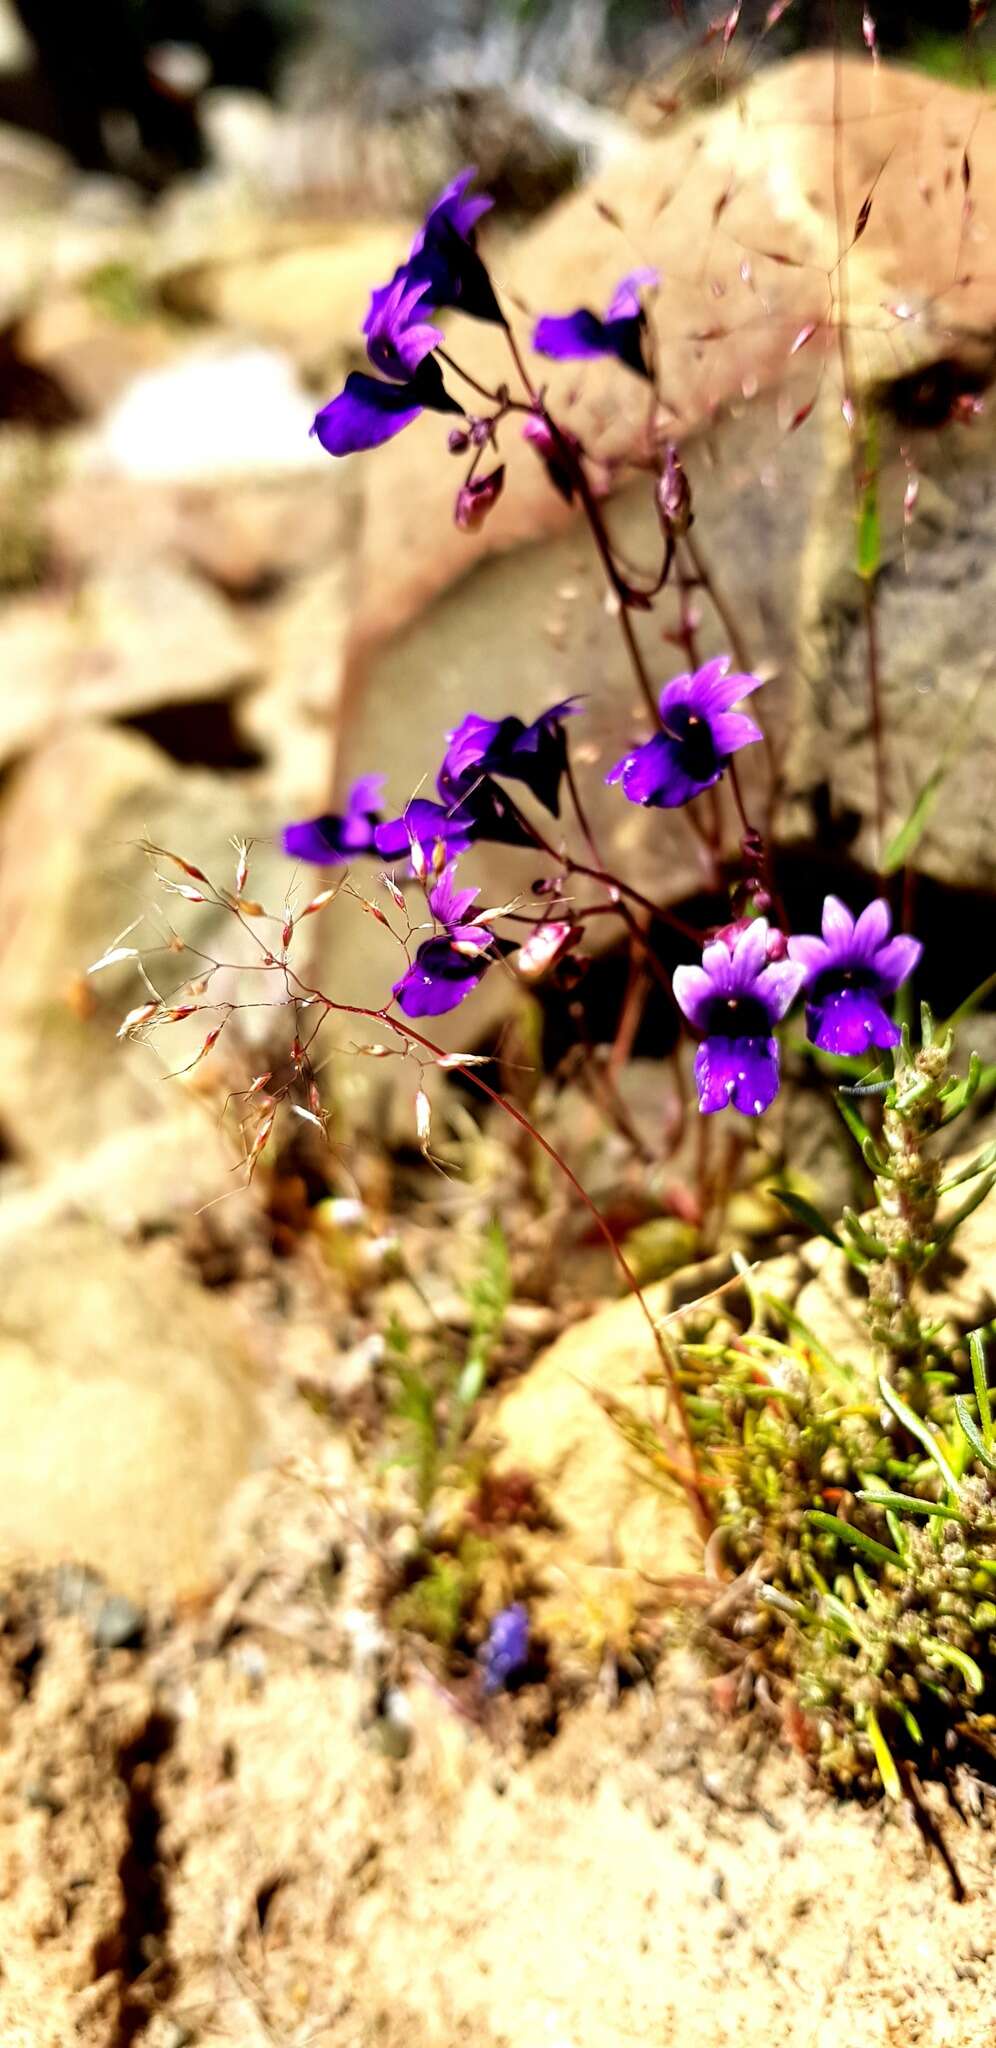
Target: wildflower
[
  {"x": 734, "y": 999},
  {"x": 397, "y": 339},
  {"x": 848, "y": 972},
  {"x": 369, "y": 411},
  {"x": 444, "y": 256},
  {"x": 475, "y": 498},
  {"x": 535, "y": 754},
  {"x": 333, "y": 838},
  {"x": 448, "y": 966},
  {"x": 505, "y": 1650},
  {"x": 576, "y": 336},
  {"x": 700, "y": 732}
]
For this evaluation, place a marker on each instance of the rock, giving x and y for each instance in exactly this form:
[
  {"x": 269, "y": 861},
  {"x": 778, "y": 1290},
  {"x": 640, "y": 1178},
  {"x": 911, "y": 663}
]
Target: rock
[
  {"x": 128, "y": 1410},
  {"x": 136, "y": 638},
  {"x": 120, "y": 1624},
  {"x": 243, "y": 534},
  {"x": 935, "y": 595},
  {"x": 34, "y": 174},
  {"x": 610, "y": 1510},
  {"x": 91, "y": 350},
  {"x": 307, "y": 299},
  {"x": 219, "y": 411},
  {"x": 457, "y": 615},
  {"x": 72, "y": 876}
]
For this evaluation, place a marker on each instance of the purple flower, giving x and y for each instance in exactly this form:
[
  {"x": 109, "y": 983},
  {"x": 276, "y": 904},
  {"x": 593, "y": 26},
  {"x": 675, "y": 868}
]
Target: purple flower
[
  {"x": 505, "y": 1650},
  {"x": 397, "y": 339},
  {"x": 443, "y": 972},
  {"x": 473, "y": 811},
  {"x": 700, "y": 732},
  {"x": 368, "y": 411},
  {"x": 444, "y": 257},
  {"x": 847, "y": 973},
  {"x": 733, "y": 1000},
  {"x": 577, "y": 336},
  {"x": 535, "y": 754},
  {"x": 331, "y": 839},
  {"x": 447, "y": 967}
]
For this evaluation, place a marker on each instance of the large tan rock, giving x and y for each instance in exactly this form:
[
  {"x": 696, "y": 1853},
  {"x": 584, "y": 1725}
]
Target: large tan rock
[
  {"x": 135, "y": 638},
  {"x": 610, "y": 1508},
  {"x": 127, "y": 1405},
  {"x": 72, "y": 876},
  {"x": 745, "y": 211}
]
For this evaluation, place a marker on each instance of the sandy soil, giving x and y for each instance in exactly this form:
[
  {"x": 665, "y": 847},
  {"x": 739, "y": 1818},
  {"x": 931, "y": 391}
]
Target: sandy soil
[{"x": 204, "y": 1842}]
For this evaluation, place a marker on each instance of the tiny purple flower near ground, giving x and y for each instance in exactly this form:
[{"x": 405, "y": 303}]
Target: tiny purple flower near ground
[
  {"x": 505, "y": 1650},
  {"x": 847, "y": 974},
  {"x": 575, "y": 337},
  {"x": 734, "y": 999},
  {"x": 535, "y": 754},
  {"x": 334, "y": 838},
  {"x": 700, "y": 733}
]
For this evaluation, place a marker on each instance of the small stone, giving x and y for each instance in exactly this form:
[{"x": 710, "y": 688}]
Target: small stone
[{"x": 120, "y": 1624}]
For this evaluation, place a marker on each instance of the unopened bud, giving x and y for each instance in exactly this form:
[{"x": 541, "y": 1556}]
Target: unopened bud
[
  {"x": 423, "y": 1118},
  {"x": 673, "y": 495},
  {"x": 544, "y": 947},
  {"x": 458, "y": 441},
  {"x": 475, "y": 499},
  {"x": 418, "y": 860}
]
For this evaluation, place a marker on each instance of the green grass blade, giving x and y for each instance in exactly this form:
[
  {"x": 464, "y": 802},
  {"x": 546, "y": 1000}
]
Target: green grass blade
[
  {"x": 884, "y": 1760},
  {"x": 904, "y": 1414},
  {"x": 977, "y": 1355},
  {"x": 855, "y": 1538}
]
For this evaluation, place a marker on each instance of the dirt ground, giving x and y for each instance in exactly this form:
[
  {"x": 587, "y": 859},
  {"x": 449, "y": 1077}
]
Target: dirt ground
[{"x": 205, "y": 1840}]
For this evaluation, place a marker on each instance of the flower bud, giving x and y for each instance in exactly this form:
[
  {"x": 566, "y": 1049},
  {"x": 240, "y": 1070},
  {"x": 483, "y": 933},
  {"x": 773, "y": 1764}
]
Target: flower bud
[
  {"x": 458, "y": 440},
  {"x": 475, "y": 499},
  {"x": 544, "y": 947},
  {"x": 673, "y": 495}
]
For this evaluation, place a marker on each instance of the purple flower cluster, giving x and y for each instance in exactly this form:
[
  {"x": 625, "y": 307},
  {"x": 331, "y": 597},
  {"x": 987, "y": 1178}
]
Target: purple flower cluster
[
  {"x": 443, "y": 269},
  {"x": 751, "y": 975}
]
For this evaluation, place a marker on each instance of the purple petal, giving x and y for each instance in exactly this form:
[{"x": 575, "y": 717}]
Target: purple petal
[
  {"x": 732, "y": 730},
  {"x": 454, "y": 210},
  {"x": 778, "y": 985},
  {"x": 467, "y": 746},
  {"x": 813, "y": 955},
  {"x": 448, "y": 904},
  {"x": 653, "y": 774},
  {"x": 366, "y": 794},
  {"x": 365, "y": 414},
  {"x": 718, "y": 691},
  {"x": 396, "y": 341},
  {"x": 750, "y": 953},
  {"x": 838, "y": 926},
  {"x": 438, "y": 979},
  {"x": 625, "y": 301},
  {"x": 570, "y": 337},
  {"x": 848, "y": 1021},
  {"x": 741, "y": 1071},
  {"x": 319, "y": 841},
  {"x": 425, "y": 824},
  {"x": 872, "y": 929},
  {"x": 894, "y": 962},
  {"x": 693, "y": 991}
]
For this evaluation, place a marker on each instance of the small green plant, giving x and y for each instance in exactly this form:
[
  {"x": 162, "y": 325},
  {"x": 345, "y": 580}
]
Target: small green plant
[
  {"x": 437, "y": 1389},
  {"x": 857, "y": 1502}
]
